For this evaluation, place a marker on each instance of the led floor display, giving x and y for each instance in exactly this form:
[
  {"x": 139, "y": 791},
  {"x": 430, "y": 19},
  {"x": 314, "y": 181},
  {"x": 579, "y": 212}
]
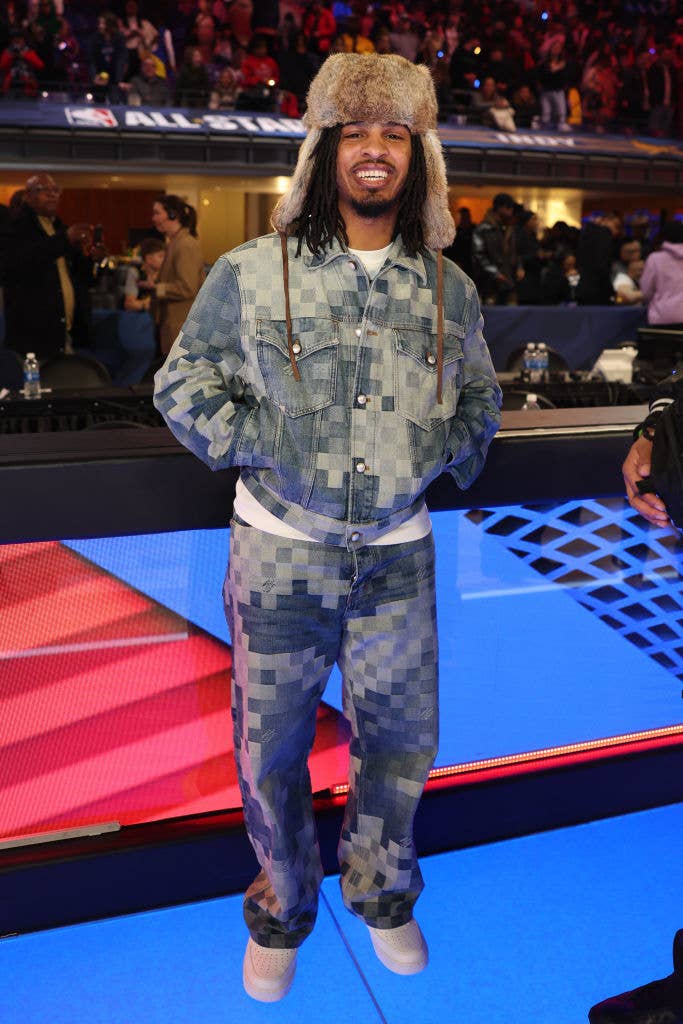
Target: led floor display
[{"x": 534, "y": 929}]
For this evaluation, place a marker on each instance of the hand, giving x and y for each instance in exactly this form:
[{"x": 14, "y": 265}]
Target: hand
[
  {"x": 80, "y": 236},
  {"x": 637, "y": 466},
  {"x": 145, "y": 285}
]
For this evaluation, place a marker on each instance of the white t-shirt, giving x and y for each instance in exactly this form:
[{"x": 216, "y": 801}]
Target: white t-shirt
[{"x": 252, "y": 511}]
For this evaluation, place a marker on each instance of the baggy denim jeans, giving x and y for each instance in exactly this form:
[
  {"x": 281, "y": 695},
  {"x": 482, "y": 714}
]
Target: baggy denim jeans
[{"x": 294, "y": 608}]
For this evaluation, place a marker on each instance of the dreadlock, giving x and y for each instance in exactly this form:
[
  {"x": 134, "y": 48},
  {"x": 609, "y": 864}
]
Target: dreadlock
[{"x": 320, "y": 220}]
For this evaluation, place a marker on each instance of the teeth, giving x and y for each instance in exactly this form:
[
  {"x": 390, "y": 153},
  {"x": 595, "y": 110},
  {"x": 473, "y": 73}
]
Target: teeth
[{"x": 373, "y": 175}]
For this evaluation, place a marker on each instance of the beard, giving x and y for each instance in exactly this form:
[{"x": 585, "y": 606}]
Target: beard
[{"x": 372, "y": 207}]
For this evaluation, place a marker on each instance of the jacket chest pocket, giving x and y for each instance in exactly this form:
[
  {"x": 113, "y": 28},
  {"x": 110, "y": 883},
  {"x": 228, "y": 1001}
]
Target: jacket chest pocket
[
  {"x": 316, "y": 358},
  {"x": 415, "y": 372}
]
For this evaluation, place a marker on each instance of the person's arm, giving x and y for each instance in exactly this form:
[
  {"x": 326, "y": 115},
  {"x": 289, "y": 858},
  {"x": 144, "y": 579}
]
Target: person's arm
[
  {"x": 478, "y": 413},
  {"x": 637, "y": 463},
  {"x": 199, "y": 390},
  {"x": 184, "y": 269},
  {"x": 648, "y": 279}
]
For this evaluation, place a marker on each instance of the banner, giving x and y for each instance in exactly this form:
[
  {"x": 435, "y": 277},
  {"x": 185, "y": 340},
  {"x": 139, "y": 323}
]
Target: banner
[{"x": 47, "y": 114}]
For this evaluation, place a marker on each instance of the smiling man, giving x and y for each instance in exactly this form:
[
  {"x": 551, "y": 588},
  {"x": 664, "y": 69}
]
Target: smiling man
[{"x": 340, "y": 363}]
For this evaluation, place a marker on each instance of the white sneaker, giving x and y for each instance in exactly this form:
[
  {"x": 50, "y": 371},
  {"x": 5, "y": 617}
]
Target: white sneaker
[
  {"x": 403, "y": 950},
  {"x": 268, "y": 973}
]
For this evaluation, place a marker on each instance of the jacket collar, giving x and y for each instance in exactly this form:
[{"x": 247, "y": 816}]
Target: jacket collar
[{"x": 397, "y": 257}]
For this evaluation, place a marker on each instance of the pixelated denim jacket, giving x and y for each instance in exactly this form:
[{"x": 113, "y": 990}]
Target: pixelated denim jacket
[{"x": 357, "y": 440}]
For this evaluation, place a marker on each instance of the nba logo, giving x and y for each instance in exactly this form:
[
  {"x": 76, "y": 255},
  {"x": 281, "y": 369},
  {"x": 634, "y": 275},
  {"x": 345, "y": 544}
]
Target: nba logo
[{"x": 90, "y": 117}]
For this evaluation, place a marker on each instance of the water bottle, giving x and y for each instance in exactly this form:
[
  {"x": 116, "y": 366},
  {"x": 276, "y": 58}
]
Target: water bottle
[
  {"x": 531, "y": 402},
  {"x": 528, "y": 361},
  {"x": 31, "y": 376},
  {"x": 543, "y": 360}
]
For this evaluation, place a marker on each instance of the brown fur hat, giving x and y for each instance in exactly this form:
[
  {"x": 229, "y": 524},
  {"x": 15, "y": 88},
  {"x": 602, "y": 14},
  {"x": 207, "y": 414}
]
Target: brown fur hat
[{"x": 377, "y": 88}]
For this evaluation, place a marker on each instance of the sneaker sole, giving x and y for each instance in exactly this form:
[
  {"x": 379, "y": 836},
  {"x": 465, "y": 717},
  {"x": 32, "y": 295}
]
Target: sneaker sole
[{"x": 397, "y": 966}]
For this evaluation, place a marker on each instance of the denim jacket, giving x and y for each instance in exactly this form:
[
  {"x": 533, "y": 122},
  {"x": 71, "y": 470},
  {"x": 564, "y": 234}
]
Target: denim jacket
[{"x": 346, "y": 453}]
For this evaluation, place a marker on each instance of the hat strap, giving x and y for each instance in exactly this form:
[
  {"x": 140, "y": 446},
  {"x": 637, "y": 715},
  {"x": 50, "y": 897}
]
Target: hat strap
[
  {"x": 439, "y": 327},
  {"x": 288, "y": 314}
]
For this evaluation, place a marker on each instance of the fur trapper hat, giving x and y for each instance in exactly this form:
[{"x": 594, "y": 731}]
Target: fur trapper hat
[{"x": 377, "y": 88}]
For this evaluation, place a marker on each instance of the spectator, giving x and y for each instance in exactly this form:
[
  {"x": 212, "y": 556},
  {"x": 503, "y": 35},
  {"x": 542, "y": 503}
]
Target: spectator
[
  {"x": 67, "y": 67},
  {"x": 600, "y": 92},
  {"x": 147, "y": 89},
  {"x": 152, "y": 253},
  {"x": 19, "y": 67},
  {"x": 405, "y": 40},
  {"x": 662, "y": 279},
  {"x": 662, "y": 80},
  {"x": 492, "y": 107},
  {"x": 530, "y": 258},
  {"x": 193, "y": 86},
  {"x": 108, "y": 58},
  {"x": 461, "y": 249},
  {"x": 628, "y": 251},
  {"x": 626, "y": 283},
  {"x": 182, "y": 271},
  {"x": 298, "y": 67},
  {"x": 553, "y": 82},
  {"x": 47, "y": 276},
  {"x": 136, "y": 32},
  {"x": 559, "y": 279},
  {"x": 265, "y": 19},
  {"x": 594, "y": 257},
  {"x": 320, "y": 27},
  {"x": 47, "y": 17},
  {"x": 259, "y": 69},
  {"x": 352, "y": 39},
  {"x": 494, "y": 258},
  {"x": 526, "y": 106},
  {"x": 225, "y": 91}
]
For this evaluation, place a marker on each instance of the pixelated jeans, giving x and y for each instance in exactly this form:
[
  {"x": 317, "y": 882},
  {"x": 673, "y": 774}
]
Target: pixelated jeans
[{"x": 294, "y": 609}]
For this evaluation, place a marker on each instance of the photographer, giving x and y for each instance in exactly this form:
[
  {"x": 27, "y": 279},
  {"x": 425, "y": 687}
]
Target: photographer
[
  {"x": 48, "y": 272},
  {"x": 18, "y": 67}
]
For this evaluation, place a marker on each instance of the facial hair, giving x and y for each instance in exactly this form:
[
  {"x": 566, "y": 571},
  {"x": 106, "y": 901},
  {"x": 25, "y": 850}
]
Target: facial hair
[{"x": 371, "y": 207}]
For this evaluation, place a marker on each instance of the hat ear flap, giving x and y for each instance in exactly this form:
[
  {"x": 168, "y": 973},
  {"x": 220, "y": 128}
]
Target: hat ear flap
[
  {"x": 438, "y": 223},
  {"x": 288, "y": 208}
]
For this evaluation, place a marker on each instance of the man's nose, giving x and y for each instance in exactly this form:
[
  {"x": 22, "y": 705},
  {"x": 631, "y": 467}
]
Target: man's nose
[{"x": 375, "y": 144}]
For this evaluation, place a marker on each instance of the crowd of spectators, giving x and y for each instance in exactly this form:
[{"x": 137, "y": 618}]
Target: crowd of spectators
[
  {"x": 514, "y": 262},
  {"x": 560, "y": 64}
]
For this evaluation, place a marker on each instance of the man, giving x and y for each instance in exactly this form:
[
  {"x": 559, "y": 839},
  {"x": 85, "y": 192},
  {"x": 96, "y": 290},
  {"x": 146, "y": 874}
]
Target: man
[
  {"x": 595, "y": 256},
  {"x": 47, "y": 275},
  {"x": 626, "y": 283},
  {"x": 661, "y": 1001},
  {"x": 494, "y": 259},
  {"x": 341, "y": 364},
  {"x": 147, "y": 89}
]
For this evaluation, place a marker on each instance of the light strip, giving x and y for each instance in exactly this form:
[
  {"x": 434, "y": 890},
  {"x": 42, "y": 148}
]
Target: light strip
[{"x": 544, "y": 753}]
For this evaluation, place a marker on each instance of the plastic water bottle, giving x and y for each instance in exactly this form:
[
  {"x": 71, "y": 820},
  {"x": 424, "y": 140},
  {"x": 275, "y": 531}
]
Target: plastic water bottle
[
  {"x": 31, "y": 376},
  {"x": 531, "y": 402},
  {"x": 543, "y": 360},
  {"x": 528, "y": 361}
]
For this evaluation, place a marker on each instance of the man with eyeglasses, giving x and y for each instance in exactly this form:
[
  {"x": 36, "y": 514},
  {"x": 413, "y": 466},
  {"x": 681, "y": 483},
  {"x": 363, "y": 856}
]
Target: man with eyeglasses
[{"x": 47, "y": 275}]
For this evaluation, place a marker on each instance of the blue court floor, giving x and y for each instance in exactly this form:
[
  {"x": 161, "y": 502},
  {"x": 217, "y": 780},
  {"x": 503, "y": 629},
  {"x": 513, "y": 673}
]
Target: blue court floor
[{"x": 528, "y": 931}]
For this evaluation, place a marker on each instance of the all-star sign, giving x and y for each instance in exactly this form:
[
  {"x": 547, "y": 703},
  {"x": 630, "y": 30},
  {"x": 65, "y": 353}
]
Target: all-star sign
[{"x": 177, "y": 120}]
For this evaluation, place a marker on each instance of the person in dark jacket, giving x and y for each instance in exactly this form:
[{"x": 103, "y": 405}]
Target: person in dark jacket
[
  {"x": 494, "y": 259},
  {"x": 660, "y": 1000},
  {"x": 595, "y": 256},
  {"x": 46, "y": 276}
]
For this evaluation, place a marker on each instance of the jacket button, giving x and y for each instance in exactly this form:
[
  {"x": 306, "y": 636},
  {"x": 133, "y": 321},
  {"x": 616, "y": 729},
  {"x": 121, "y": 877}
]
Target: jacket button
[
  {"x": 362, "y": 399},
  {"x": 296, "y": 348},
  {"x": 352, "y": 264},
  {"x": 358, "y": 332},
  {"x": 355, "y": 537},
  {"x": 431, "y": 359},
  {"x": 360, "y": 467}
]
